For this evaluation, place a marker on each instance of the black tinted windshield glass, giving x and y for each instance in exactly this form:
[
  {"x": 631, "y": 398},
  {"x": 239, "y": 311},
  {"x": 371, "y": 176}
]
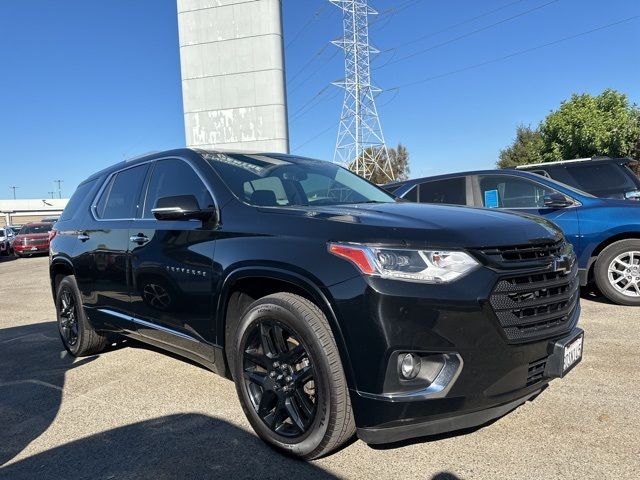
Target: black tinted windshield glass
[
  {"x": 29, "y": 229},
  {"x": 276, "y": 180}
]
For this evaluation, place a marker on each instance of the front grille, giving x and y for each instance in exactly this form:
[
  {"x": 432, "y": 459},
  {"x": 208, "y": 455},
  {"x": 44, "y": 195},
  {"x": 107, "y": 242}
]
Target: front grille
[
  {"x": 536, "y": 371},
  {"x": 537, "y": 305},
  {"x": 35, "y": 241},
  {"x": 524, "y": 253}
]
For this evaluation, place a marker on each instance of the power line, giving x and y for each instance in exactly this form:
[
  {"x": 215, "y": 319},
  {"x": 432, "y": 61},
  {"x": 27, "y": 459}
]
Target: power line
[
  {"x": 451, "y": 27},
  {"x": 466, "y": 35},
  {"x": 515, "y": 54},
  {"x": 305, "y": 27},
  {"x": 330, "y": 127}
]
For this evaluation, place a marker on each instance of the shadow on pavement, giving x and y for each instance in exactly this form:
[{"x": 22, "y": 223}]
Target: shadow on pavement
[
  {"x": 32, "y": 377},
  {"x": 32, "y": 370},
  {"x": 189, "y": 446}
]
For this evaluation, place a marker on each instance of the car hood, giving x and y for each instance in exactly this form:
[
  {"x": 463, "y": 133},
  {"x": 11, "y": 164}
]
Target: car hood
[{"x": 442, "y": 224}]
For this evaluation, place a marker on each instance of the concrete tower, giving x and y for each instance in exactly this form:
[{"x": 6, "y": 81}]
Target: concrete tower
[{"x": 233, "y": 85}]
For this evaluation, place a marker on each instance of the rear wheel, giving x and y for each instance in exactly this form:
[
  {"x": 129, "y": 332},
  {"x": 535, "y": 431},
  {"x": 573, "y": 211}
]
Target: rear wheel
[
  {"x": 289, "y": 377},
  {"x": 76, "y": 333},
  {"x": 617, "y": 272}
]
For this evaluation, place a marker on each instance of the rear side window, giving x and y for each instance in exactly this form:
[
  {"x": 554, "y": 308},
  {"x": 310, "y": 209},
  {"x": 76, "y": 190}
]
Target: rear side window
[
  {"x": 78, "y": 199},
  {"x": 600, "y": 179},
  {"x": 411, "y": 195},
  {"x": 119, "y": 199},
  {"x": 172, "y": 178},
  {"x": 450, "y": 190}
]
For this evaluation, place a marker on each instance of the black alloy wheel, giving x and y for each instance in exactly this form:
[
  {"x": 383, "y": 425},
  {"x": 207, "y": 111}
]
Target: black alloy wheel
[
  {"x": 279, "y": 377},
  {"x": 68, "y": 318}
]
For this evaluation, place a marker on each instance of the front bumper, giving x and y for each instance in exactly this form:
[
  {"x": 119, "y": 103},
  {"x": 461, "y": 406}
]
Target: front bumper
[
  {"x": 380, "y": 318},
  {"x": 30, "y": 248}
]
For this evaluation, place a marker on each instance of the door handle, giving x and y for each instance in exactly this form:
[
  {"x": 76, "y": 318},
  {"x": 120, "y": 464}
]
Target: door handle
[
  {"x": 83, "y": 237},
  {"x": 139, "y": 239}
]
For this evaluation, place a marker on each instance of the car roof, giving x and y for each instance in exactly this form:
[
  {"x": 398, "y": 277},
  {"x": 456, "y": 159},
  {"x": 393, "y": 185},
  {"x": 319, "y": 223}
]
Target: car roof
[
  {"x": 186, "y": 151},
  {"x": 623, "y": 160}
]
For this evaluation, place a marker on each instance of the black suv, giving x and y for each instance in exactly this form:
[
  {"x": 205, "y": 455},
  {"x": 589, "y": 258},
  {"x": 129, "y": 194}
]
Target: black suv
[{"x": 335, "y": 308}]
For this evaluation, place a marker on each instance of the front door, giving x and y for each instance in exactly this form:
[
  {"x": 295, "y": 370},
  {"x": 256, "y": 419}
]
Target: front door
[
  {"x": 525, "y": 195},
  {"x": 171, "y": 264}
]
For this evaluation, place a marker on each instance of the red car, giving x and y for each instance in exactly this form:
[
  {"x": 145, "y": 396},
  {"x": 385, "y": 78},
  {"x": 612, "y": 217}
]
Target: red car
[{"x": 33, "y": 238}]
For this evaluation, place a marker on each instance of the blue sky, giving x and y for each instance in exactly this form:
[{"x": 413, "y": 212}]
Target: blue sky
[{"x": 87, "y": 83}]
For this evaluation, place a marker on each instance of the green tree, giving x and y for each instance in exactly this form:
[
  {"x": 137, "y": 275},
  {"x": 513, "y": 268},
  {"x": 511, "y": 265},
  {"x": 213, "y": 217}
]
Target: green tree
[
  {"x": 525, "y": 149},
  {"x": 584, "y": 126},
  {"x": 399, "y": 160}
]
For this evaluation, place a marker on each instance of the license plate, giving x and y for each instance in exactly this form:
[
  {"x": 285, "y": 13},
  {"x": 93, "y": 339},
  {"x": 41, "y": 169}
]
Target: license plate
[
  {"x": 34, "y": 248},
  {"x": 572, "y": 353},
  {"x": 565, "y": 354}
]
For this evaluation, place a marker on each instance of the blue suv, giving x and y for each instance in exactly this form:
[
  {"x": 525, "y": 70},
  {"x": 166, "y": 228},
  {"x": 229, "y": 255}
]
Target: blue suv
[{"x": 605, "y": 233}]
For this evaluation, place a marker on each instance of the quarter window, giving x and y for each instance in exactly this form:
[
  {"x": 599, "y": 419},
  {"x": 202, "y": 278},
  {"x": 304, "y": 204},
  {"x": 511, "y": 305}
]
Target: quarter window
[
  {"x": 174, "y": 177},
  {"x": 119, "y": 199},
  {"x": 512, "y": 192}
]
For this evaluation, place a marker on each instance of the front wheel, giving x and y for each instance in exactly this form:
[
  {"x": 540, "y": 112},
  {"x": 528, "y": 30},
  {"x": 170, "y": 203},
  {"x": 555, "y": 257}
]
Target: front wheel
[
  {"x": 289, "y": 377},
  {"x": 617, "y": 272}
]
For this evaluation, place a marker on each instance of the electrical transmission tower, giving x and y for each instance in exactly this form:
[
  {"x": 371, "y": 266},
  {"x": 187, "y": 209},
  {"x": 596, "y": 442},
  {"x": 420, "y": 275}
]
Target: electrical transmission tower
[{"x": 360, "y": 145}]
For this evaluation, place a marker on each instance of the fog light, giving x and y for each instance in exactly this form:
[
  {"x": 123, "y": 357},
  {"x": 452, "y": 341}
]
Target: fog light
[{"x": 409, "y": 366}]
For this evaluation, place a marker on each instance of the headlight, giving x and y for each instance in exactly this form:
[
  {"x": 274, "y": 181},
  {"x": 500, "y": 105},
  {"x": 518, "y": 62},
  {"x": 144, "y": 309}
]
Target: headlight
[{"x": 427, "y": 266}]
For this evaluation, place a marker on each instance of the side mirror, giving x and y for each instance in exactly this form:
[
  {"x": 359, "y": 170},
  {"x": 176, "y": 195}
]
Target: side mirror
[
  {"x": 556, "y": 200},
  {"x": 181, "y": 207}
]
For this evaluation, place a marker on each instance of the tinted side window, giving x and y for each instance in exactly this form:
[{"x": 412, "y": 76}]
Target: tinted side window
[
  {"x": 171, "y": 178},
  {"x": 119, "y": 199},
  {"x": 512, "y": 192},
  {"x": 600, "y": 179},
  {"x": 450, "y": 190},
  {"x": 78, "y": 199},
  {"x": 412, "y": 195}
]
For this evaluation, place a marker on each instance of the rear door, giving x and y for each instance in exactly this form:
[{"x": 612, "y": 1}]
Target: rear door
[
  {"x": 171, "y": 262},
  {"x": 101, "y": 258},
  {"x": 522, "y": 194}
]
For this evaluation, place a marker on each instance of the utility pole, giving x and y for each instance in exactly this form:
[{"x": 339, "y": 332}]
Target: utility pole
[
  {"x": 360, "y": 145},
  {"x": 52, "y": 195},
  {"x": 59, "y": 187},
  {"x": 14, "y": 191}
]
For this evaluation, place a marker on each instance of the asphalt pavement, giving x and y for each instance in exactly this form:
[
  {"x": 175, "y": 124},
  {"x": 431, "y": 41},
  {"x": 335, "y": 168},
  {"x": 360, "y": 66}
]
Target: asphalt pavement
[{"x": 136, "y": 413}]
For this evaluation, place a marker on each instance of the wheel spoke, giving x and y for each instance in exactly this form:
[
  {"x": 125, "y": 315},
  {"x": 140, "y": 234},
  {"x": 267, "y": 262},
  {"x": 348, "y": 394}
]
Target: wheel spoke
[
  {"x": 305, "y": 404},
  {"x": 268, "y": 346},
  {"x": 296, "y": 354},
  {"x": 303, "y": 375},
  {"x": 279, "y": 340},
  {"x": 258, "y": 359},
  {"x": 294, "y": 414},
  {"x": 258, "y": 378}
]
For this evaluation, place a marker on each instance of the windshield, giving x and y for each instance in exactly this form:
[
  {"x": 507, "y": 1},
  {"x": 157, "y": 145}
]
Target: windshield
[
  {"x": 276, "y": 180},
  {"x": 602, "y": 179},
  {"x": 29, "y": 229}
]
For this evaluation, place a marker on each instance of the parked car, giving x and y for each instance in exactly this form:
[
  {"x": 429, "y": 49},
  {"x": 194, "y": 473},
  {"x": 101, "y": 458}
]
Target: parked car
[
  {"x": 605, "y": 233},
  {"x": 6, "y": 240},
  {"x": 49, "y": 219},
  {"x": 33, "y": 238},
  {"x": 334, "y": 308},
  {"x": 601, "y": 176}
]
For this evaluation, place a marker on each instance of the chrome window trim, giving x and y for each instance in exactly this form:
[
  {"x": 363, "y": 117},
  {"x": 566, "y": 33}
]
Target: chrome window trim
[
  {"x": 144, "y": 323},
  {"x": 94, "y": 203}
]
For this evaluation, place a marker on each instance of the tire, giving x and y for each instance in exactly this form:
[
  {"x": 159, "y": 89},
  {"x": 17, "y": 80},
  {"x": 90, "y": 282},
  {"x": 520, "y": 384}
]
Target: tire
[
  {"x": 313, "y": 384},
  {"x": 77, "y": 335},
  {"x": 622, "y": 284}
]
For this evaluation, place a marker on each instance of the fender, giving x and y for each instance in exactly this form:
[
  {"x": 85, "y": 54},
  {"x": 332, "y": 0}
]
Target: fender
[
  {"x": 297, "y": 280},
  {"x": 59, "y": 260}
]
